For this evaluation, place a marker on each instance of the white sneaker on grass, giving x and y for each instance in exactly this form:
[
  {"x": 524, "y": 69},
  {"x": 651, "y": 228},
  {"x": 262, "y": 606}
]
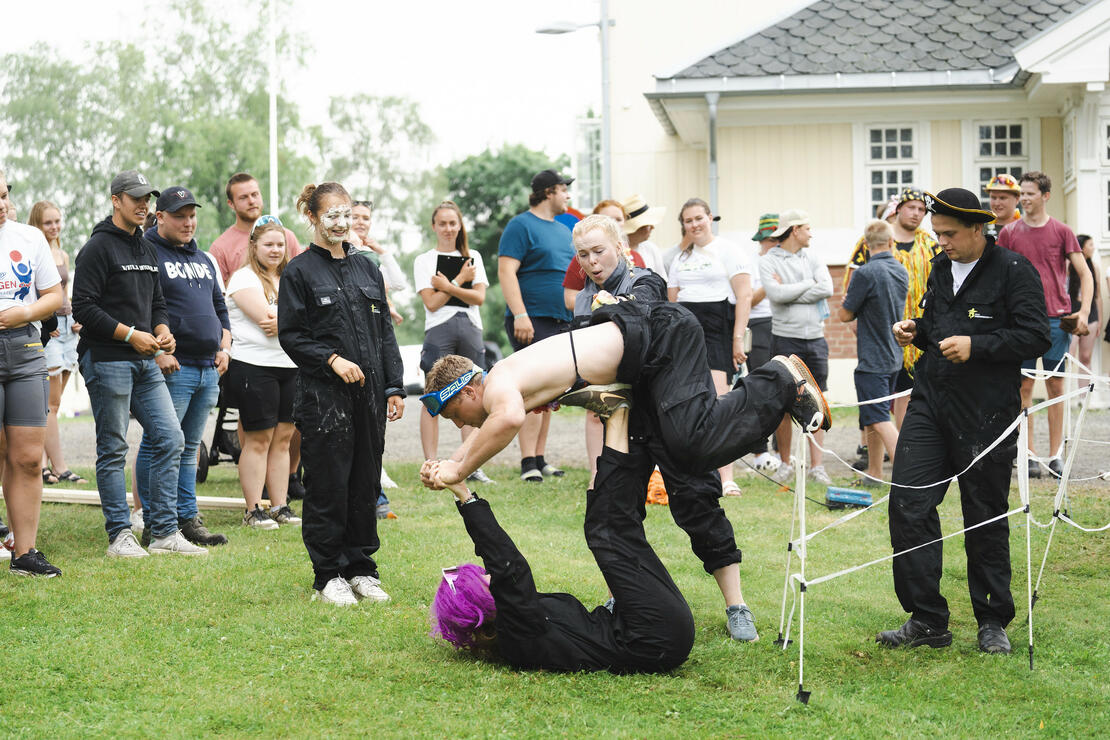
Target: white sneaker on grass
[
  {"x": 368, "y": 587},
  {"x": 336, "y": 591},
  {"x": 784, "y": 473},
  {"x": 765, "y": 462},
  {"x": 817, "y": 473},
  {"x": 257, "y": 519},
  {"x": 284, "y": 515},
  {"x": 126, "y": 546},
  {"x": 174, "y": 544}
]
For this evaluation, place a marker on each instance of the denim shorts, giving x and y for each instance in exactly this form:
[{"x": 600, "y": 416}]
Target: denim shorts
[
  {"x": 1053, "y": 359},
  {"x": 874, "y": 385},
  {"x": 61, "y": 351}
]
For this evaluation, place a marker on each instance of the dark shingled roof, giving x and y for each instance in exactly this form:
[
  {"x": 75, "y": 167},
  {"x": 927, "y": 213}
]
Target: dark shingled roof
[{"x": 861, "y": 36}]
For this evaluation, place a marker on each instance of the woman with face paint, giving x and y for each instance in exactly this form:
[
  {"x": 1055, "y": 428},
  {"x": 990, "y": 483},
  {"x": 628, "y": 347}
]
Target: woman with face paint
[{"x": 333, "y": 322}]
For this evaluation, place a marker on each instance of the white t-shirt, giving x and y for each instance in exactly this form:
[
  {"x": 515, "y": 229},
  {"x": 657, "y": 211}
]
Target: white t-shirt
[
  {"x": 424, "y": 269},
  {"x": 703, "y": 275},
  {"x": 248, "y": 342},
  {"x": 761, "y": 310},
  {"x": 26, "y": 266},
  {"x": 652, "y": 257},
  {"x": 960, "y": 271}
]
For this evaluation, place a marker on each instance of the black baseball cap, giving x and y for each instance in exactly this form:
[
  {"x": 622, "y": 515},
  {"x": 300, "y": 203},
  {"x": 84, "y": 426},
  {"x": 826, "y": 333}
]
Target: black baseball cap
[
  {"x": 134, "y": 184},
  {"x": 548, "y": 179},
  {"x": 174, "y": 199}
]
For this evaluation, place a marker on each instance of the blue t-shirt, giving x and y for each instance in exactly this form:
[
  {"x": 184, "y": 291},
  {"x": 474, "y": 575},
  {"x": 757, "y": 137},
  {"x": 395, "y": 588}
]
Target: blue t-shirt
[
  {"x": 545, "y": 250},
  {"x": 877, "y": 296}
]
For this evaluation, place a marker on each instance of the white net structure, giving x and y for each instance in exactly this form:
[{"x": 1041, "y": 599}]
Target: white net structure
[{"x": 797, "y": 579}]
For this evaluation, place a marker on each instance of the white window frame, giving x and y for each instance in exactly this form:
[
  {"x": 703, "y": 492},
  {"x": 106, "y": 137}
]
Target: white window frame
[
  {"x": 1104, "y": 146},
  {"x": 1030, "y": 145},
  {"x": 899, "y": 163}
]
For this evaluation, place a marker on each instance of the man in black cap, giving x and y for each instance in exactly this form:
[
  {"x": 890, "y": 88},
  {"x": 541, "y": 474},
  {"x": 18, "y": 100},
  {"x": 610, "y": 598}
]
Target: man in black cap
[
  {"x": 118, "y": 300},
  {"x": 198, "y": 318},
  {"x": 983, "y": 315},
  {"x": 532, "y": 258}
]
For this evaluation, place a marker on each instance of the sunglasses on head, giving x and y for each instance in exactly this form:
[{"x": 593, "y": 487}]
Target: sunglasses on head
[
  {"x": 435, "y": 402},
  {"x": 267, "y": 219},
  {"x": 364, "y": 203},
  {"x": 451, "y": 575}
]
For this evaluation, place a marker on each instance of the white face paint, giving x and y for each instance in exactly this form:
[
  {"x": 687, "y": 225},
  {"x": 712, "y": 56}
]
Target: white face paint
[{"x": 335, "y": 223}]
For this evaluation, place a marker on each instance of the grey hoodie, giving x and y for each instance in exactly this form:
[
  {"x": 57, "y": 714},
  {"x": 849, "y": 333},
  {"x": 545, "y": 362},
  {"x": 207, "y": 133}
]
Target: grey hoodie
[{"x": 796, "y": 303}]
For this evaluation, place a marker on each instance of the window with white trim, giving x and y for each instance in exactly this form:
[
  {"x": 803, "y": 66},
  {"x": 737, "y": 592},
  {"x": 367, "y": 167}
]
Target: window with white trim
[
  {"x": 892, "y": 162},
  {"x": 1001, "y": 147},
  {"x": 1104, "y": 149}
]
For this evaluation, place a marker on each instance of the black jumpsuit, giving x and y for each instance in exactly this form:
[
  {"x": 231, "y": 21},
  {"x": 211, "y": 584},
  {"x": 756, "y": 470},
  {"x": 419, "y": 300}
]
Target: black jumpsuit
[
  {"x": 956, "y": 410},
  {"x": 327, "y": 306},
  {"x": 650, "y": 629},
  {"x": 694, "y": 494}
]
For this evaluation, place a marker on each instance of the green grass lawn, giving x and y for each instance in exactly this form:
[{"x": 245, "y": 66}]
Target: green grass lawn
[{"x": 231, "y": 645}]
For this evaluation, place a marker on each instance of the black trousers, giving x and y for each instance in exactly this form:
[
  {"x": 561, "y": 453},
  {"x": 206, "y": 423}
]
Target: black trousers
[
  {"x": 342, "y": 439},
  {"x": 927, "y": 451},
  {"x": 651, "y": 621},
  {"x": 665, "y": 361}
]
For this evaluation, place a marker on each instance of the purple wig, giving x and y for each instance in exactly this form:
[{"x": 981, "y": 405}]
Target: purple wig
[{"x": 462, "y": 605}]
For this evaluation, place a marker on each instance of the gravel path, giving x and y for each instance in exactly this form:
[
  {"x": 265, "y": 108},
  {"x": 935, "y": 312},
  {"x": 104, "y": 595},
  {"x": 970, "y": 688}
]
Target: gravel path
[{"x": 566, "y": 446}]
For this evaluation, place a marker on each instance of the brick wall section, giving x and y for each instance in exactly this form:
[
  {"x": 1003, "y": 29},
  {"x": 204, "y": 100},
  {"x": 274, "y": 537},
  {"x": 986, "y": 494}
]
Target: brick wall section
[{"x": 842, "y": 342}]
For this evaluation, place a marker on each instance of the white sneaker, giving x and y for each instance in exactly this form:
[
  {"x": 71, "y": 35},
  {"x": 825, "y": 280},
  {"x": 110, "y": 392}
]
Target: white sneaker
[
  {"x": 765, "y": 462},
  {"x": 126, "y": 546},
  {"x": 337, "y": 591},
  {"x": 368, "y": 587},
  {"x": 386, "y": 481},
  {"x": 137, "y": 523},
  {"x": 784, "y": 473},
  {"x": 258, "y": 519},
  {"x": 175, "y": 544},
  {"x": 817, "y": 473}
]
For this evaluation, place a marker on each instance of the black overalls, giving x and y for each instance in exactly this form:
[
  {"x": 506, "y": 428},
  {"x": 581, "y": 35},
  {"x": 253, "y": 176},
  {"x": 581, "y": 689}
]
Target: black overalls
[
  {"x": 956, "y": 410},
  {"x": 327, "y": 306},
  {"x": 650, "y": 629}
]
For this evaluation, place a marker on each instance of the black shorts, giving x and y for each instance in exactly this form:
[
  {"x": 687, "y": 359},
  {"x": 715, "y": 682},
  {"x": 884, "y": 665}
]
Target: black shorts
[
  {"x": 761, "y": 343},
  {"x": 456, "y": 336},
  {"x": 263, "y": 395},
  {"x": 814, "y": 353},
  {"x": 904, "y": 381},
  {"x": 716, "y": 321},
  {"x": 544, "y": 327}
]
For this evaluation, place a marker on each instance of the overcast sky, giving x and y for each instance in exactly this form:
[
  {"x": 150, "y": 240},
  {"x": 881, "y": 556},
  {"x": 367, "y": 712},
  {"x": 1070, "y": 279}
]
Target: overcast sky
[{"x": 477, "y": 69}]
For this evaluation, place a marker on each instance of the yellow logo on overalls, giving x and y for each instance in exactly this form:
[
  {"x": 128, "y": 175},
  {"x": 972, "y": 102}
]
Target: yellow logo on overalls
[{"x": 971, "y": 313}]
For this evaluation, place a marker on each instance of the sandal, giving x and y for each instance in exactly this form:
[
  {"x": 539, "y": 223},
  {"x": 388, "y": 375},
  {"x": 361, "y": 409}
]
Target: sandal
[
  {"x": 730, "y": 489},
  {"x": 70, "y": 477},
  {"x": 48, "y": 477}
]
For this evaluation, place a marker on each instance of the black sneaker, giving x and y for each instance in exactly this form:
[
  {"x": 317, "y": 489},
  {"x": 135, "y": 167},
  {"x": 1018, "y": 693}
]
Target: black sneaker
[
  {"x": 195, "y": 531},
  {"x": 993, "y": 639},
  {"x": 1034, "y": 468},
  {"x": 603, "y": 400},
  {"x": 862, "y": 459},
  {"x": 33, "y": 563},
  {"x": 915, "y": 634},
  {"x": 809, "y": 408},
  {"x": 296, "y": 488},
  {"x": 1056, "y": 467}
]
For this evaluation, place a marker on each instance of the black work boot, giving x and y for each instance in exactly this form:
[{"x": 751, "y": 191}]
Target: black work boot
[
  {"x": 195, "y": 531},
  {"x": 993, "y": 639},
  {"x": 915, "y": 634}
]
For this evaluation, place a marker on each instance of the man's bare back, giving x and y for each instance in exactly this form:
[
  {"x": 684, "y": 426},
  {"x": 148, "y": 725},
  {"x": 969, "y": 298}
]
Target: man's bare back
[{"x": 543, "y": 371}]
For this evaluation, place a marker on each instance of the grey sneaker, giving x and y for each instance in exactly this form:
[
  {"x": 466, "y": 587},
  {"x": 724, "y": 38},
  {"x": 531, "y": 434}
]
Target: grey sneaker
[
  {"x": 603, "y": 400},
  {"x": 175, "y": 544},
  {"x": 784, "y": 473},
  {"x": 531, "y": 476},
  {"x": 741, "y": 624},
  {"x": 126, "y": 546},
  {"x": 479, "y": 477},
  {"x": 336, "y": 591},
  {"x": 551, "y": 471},
  {"x": 817, "y": 473}
]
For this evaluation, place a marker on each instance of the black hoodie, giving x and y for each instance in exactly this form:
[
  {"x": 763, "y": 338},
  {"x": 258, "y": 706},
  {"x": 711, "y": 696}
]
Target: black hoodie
[{"x": 115, "y": 281}]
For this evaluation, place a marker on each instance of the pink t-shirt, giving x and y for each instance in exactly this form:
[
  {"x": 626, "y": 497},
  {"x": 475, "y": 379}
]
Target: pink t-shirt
[
  {"x": 230, "y": 248},
  {"x": 1047, "y": 247}
]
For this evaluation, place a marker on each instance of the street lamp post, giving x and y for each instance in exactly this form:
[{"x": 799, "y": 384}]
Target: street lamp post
[{"x": 603, "y": 25}]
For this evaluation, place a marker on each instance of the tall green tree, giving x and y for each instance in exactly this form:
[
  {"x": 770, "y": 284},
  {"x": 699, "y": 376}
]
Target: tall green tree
[{"x": 490, "y": 189}]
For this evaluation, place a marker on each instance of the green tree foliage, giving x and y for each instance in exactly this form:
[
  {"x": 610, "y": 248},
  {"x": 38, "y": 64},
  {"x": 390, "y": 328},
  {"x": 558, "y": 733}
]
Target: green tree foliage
[
  {"x": 379, "y": 148},
  {"x": 490, "y": 189}
]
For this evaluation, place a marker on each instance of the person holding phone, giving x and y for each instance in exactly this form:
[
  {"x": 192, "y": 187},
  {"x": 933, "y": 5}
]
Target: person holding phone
[{"x": 451, "y": 280}]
